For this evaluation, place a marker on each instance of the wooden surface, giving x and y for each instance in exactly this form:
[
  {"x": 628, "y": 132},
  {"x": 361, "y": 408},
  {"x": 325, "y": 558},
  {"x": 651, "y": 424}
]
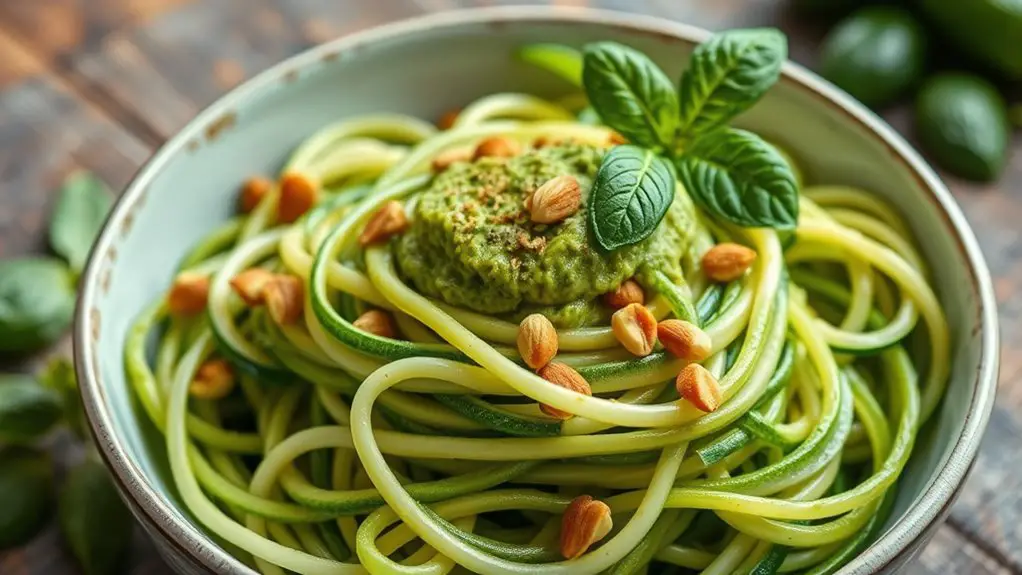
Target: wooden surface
[{"x": 100, "y": 84}]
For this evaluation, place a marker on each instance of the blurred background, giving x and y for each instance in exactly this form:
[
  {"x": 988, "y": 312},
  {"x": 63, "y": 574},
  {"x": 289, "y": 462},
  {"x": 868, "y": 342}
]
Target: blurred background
[{"x": 93, "y": 87}]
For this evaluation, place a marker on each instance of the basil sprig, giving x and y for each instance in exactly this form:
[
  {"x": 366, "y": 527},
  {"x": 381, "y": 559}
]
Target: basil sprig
[
  {"x": 732, "y": 174},
  {"x": 82, "y": 206},
  {"x": 629, "y": 187},
  {"x": 630, "y": 93},
  {"x": 726, "y": 75},
  {"x": 740, "y": 177},
  {"x": 37, "y": 294}
]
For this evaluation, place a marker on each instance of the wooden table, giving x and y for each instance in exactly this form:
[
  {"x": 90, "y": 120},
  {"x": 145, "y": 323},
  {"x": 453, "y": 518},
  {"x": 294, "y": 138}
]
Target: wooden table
[{"x": 100, "y": 84}]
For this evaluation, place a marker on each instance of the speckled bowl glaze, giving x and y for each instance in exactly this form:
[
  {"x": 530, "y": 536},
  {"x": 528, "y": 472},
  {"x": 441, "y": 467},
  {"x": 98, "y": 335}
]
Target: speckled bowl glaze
[{"x": 424, "y": 67}]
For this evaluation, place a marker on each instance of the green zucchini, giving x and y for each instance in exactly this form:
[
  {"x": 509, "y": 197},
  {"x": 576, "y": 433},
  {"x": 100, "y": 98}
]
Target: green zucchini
[
  {"x": 247, "y": 357},
  {"x": 726, "y": 444},
  {"x": 738, "y": 436},
  {"x": 679, "y": 297},
  {"x": 563, "y": 61},
  {"x": 709, "y": 302},
  {"x": 987, "y": 29},
  {"x": 862, "y": 344},
  {"x": 370, "y": 344},
  {"x": 755, "y": 424},
  {"x": 877, "y": 54},
  {"x": 361, "y": 501},
  {"x": 528, "y": 553},
  {"x": 497, "y": 419},
  {"x": 320, "y": 471},
  {"x": 771, "y": 562},
  {"x": 962, "y": 122}
]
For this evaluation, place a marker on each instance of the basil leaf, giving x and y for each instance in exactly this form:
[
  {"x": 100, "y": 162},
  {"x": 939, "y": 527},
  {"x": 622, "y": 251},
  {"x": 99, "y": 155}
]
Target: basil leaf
[
  {"x": 726, "y": 75},
  {"x": 82, "y": 207},
  {"x": 631, "y": 193},
  {"x": 630, "y": 93},
  {"x": 37, "y": 300},
  {"x": 589, "y": 117},
  {"x": 27, "y": 410},
  {"x": 563, "y": 61},
  {"x": 59, "y": 376},
  {"x": 737, "y": 176}
]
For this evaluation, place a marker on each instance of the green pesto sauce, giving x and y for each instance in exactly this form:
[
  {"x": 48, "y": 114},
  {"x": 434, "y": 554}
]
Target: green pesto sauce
[{"x": 471, "y": 243}]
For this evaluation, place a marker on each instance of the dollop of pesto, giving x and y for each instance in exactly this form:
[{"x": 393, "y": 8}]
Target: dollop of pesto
[{"x": 471, "y": 243}]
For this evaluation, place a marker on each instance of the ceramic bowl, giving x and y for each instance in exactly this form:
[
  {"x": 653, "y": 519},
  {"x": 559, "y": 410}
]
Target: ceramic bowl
[{"x": 431, "y": 64}]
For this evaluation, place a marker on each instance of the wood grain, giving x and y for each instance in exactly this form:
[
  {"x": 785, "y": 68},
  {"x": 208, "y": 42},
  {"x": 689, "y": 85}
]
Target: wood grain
[
  {"x": 59, "y": 28},
  {"x": 988, "y": 509},
  {"x": 17, "y": 62},
  {"x": 951, "y": 554},
  {"x": 95, "y": 83},
  {"x": 165, "y": 70},
  {"x": 45, "y": 133}
]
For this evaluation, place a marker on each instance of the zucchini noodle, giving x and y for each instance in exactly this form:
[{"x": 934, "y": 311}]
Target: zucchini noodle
[{"x": 346, "y": 451}]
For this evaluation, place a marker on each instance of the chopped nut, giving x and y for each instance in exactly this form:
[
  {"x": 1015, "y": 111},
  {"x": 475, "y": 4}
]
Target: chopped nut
[
  {"x": 684, "y": 339},
  {"x": 555, "y": 200},
  {"x": 447, "y": 158},
  {"x": 253, "y": 192},
  {"x": 213, "y": 380},
  {"x": 389, "y": 220},
  {"x": 566, "y": 377},
  {"x": 250, "y": 284},
  {"x": 188, "y": 295},
  {"x": 537, "y": 340},
  {"x": 285, "y": 298},
  {"x": 699, "y": 387},
  {"x": 535, "y": 244},
  {"x": 635, "y": 327},
  {"x": 497, "y": 147},
  {"x": 585, "y": 521},
  {"x": 446, "y": 122},
  {"x": 377, "y": 322},
  {"x": 627, "y": 293},
  {"x": 544, "y": 141},
  {"x": 298, "y": 194},
  {"x": 727, "y": 262}
]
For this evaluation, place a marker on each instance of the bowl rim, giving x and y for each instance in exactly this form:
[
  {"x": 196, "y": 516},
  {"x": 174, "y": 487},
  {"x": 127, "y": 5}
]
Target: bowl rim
[{"x": 903, "y": 537}]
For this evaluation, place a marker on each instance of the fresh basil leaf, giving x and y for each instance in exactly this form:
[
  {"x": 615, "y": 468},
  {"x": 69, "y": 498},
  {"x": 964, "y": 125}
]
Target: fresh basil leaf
[
  {"x": 631, "y": 193},
  {"x": 589, "y": 117},
  {"x": 59, "y": 375},
  {"x": 96, "y": 524},
  {"x": 630, "y": 93},
  {"x": 737, "y": 176},
  {"x": 27, "y": 410},
  {"x": 82, "y": 207},
  {"x": 726, "y": 75},
  {"x": 564, "y": 61},
  {"x": 37, "y": 300}
]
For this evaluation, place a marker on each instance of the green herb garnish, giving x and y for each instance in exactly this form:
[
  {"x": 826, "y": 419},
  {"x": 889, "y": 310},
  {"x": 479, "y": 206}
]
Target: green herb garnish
[
  {"x": 27, "y": 410},
  {"x": 631, "y": 94},
  {"x": 94, "y": 520},
  {"x": 82, "y": 206},
  {"x": 726, "y": 75},
  {"x": 37, "y": 300},
  {"x": 732, "y": 174},
  {"x": 59, "y": 377},
  {"x": 634, "y": 188},
  {"x": 737, "y": 176}
]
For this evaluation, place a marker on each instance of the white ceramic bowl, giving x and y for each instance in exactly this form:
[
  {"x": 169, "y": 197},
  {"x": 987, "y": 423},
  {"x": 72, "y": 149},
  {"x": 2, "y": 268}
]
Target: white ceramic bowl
[{"x": 431, "y": 64}]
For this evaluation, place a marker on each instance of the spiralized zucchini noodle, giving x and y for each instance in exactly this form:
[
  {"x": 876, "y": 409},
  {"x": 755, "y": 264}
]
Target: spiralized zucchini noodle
[{"x": 342, "y": 451}]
